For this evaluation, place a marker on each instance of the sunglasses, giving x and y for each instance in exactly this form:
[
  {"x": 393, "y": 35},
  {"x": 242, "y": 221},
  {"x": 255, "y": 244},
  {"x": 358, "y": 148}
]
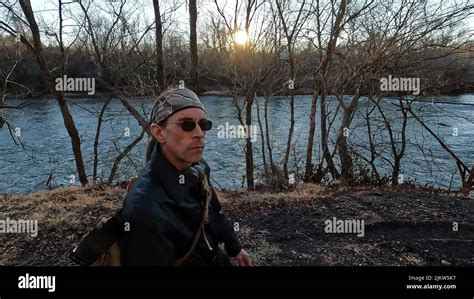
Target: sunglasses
[{"x": 189, "y": 125}]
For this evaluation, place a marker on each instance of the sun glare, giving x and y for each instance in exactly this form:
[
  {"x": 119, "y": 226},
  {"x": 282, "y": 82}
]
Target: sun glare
[{"x": 241, "y": 37}]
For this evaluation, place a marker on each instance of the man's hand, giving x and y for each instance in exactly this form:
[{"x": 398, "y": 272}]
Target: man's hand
[{"x": 243, "y": 259}]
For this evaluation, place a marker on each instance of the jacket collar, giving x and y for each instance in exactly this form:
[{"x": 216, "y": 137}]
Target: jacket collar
[{"x": 169, "y": 176}]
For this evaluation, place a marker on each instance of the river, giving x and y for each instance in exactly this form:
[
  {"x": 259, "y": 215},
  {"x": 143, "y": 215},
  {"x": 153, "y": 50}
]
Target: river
[{"x": 47, "y": 147}]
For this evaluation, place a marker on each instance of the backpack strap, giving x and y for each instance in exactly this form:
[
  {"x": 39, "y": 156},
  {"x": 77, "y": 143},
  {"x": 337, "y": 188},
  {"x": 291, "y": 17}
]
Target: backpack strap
[{"x": 205, "y": 220}]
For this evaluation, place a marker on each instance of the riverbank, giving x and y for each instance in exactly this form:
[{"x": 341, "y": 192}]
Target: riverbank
[
  {"x": 106, "y": 95},
  {"x": 226, "y": 93},
  {"x": 406, "y": 226}
]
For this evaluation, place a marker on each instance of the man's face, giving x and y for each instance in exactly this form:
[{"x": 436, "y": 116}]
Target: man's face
[{"x": 181, "y": 148}]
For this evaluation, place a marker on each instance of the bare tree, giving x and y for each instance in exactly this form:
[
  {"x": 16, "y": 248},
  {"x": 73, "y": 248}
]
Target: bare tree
[
  {"x": 37, "y": 50},
  {"x": 292, "y": 32},
  {"x": 160, "y": 72},
  {"x": 247, "y": 70},
  {"x": 96, "y": 142},
  {"x": 320, "y": 75},
  {"x": 193, "y": 44}
]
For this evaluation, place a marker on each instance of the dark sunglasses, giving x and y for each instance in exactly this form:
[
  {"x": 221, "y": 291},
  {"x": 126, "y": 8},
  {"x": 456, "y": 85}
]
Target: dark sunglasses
[{"x": 189, "y": 125}]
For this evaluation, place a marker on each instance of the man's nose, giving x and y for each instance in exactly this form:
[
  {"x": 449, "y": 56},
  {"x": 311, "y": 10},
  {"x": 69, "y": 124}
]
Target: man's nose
[{"x": 198, "y": 132}]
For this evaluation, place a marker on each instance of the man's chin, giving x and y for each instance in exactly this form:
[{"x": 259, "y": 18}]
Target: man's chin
[{"x": 194, "y": 157}]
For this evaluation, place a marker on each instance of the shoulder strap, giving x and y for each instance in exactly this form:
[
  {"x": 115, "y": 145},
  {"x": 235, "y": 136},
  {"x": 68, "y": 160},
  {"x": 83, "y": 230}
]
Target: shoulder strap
[{"x": 205, "y": 220}]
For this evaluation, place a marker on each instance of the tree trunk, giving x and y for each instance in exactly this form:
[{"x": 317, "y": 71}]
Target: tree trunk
[
  {"x": 399, "y": 155},
  {"x": 347, "y": 165},
  {"x": 269, "y": 146},
  {"x": 469, "y": 183},
  {"x": 262, "y": 136},
  {"x": 292, "y": 117},
  {"x": 160, "y": 72},
  {"x": 96, "y": 142},
  {"x": 63, "y": 106},
  {"x": 321, "y": 74},
  {"x": 193, "y": 45},
  {"x": 312, "y": 129},
  {"x": 249, "y": 148},
  {"x": 325, "y": 138},
  {"x": 290, "y": 136},
  {"x": 373, "y": 153}
]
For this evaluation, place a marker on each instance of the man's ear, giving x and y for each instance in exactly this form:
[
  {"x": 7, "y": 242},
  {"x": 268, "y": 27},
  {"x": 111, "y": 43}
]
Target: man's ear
[{"x": 157, "y": 132}]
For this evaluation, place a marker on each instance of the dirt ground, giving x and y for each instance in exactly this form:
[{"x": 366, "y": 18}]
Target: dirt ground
[{"x": 406, "y": 226}]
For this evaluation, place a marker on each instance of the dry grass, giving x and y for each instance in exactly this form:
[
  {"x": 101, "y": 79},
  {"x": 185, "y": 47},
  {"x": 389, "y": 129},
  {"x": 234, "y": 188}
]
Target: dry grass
[
  {"x": 55, "y": 207},
  {"x": 411, "y": 260},
  {"x": 257, "y": 246},
  {"x": 63, "y": 216},
  {"x": 303, "y": 191}
]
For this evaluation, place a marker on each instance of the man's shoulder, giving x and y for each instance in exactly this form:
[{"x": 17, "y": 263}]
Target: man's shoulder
[{"x": 143, "y": 196}]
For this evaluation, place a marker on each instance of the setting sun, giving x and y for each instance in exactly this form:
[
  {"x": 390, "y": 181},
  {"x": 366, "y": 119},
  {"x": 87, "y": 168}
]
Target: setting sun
[{"x": 241, "y": 37}]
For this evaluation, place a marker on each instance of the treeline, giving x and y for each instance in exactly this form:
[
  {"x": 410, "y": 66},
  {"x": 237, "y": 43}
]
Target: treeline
[
  {"x": 441, "y": 56},
  {"x": 456, "y": 70}
]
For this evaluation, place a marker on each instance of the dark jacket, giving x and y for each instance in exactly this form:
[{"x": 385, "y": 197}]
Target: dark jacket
[{"x": 163, "y": 215}]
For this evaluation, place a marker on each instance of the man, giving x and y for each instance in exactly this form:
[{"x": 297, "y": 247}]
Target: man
[{"x": 173, "y": 214}]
